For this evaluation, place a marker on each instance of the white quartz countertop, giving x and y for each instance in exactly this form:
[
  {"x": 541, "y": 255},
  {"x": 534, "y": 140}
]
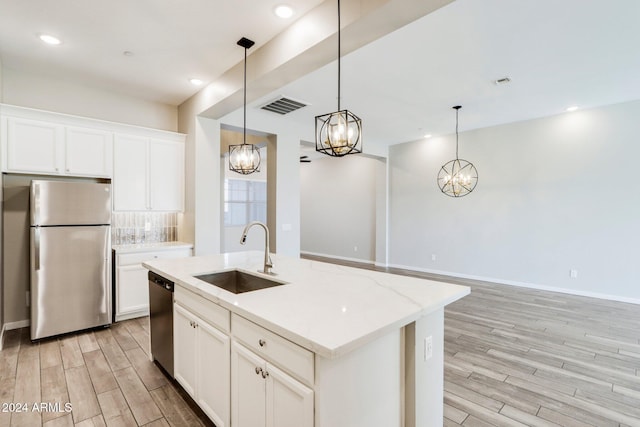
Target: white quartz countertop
[
  {"x": 150, "y": 247},
  {"x": 326, "y": 308}
]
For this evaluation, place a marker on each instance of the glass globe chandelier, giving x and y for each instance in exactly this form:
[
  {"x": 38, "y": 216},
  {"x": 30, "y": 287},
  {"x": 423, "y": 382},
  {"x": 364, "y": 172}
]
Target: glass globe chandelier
[
  {"x": 458, "y": 177},
  {"x": 339, "y": 133},
  {"x": 244, "y": 158}
]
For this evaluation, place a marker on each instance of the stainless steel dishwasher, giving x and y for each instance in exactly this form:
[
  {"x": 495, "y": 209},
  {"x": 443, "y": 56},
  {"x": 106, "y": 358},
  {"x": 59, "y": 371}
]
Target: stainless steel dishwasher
[{"x": 161, "y": 320}]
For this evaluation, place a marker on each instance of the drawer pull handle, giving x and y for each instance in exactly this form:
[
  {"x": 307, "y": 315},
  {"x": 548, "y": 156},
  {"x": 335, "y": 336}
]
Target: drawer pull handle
[
  {"x": 265, "y": 374},
  {"x": 258, "y": 370},
  {"x": 262, "y": 343}
]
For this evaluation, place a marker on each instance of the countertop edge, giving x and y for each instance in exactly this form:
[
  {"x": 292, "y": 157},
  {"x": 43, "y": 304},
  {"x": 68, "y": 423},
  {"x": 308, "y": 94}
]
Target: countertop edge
[{"x": 150, "y": 247}]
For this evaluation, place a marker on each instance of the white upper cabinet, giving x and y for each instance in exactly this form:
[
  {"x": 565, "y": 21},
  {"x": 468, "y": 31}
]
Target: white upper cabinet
[
  {"x": 166, "y": 175},
  {"x": 130, "y": 173},
  {"x": 44, "y": 147},
  {"x": 148, "y": 174},
  {"x": 33, "y": 146},
  {"x": 88, "y": 152},
  {"x": 146, "y": 165}
]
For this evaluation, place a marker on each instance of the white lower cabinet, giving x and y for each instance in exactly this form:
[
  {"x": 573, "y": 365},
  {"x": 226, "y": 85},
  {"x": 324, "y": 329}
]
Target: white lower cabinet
[
  {"x": 265, "y": 396},
  {"x": 239, "y": 373},
  {"x": 201, "y": 363},
  {"x": 132, "y": 283}
]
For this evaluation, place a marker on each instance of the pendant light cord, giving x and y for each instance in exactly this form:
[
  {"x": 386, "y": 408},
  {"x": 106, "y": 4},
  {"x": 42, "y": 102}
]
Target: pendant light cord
[
  {"x": 457, "y": 110},
  {"x": 338, "y": 55},
  {"x": 244, "y": 127}
]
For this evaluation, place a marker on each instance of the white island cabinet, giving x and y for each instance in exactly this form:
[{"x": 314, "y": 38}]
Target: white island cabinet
[
  {"x": 202, "y": 354},
  {"x": 329, "y": 346}
]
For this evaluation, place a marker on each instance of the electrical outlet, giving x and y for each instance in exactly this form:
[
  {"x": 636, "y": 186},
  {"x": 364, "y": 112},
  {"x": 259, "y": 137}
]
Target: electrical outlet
[
  {"x": 428, "y": 347},
  {"x": 433, "y": 257},
  {"x": 573, "y": 274},
  {"x": 355, "y": 249}
]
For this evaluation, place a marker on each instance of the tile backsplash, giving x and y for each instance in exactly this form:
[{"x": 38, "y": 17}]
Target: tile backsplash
[{"x": 143, "y": 227}]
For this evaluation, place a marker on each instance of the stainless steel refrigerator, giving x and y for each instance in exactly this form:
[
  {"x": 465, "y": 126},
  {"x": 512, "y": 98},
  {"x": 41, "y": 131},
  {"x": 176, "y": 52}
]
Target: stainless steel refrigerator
[{"x": 70, "y": 256}]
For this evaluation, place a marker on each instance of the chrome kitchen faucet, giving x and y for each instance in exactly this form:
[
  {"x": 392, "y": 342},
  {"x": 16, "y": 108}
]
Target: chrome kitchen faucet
[{"x": 268, "y": 265}]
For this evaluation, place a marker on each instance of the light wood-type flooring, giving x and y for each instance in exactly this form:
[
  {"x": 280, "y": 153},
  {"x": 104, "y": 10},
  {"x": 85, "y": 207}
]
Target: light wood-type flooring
[
  {"x": 104, "y": 374},
  {"x": 513, "y": 357}
]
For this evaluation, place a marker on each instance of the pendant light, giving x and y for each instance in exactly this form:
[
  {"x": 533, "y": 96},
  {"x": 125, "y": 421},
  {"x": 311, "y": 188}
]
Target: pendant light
[
  {"x": 244, "y": 158},
  {"x": 458, "y": 177},
  {"x": 339, "y": 133}
]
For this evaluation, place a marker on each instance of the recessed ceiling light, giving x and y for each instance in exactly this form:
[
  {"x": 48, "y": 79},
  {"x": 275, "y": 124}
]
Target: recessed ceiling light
[
  {"x": 572, "y": 108},
  {"x": 428, "y": 135},
  {"x": 127, "y": 53},
  {"x": 195, "y": 82},
  {"x": 49, "y": 39},
  {"x": 283, "y": 11}
]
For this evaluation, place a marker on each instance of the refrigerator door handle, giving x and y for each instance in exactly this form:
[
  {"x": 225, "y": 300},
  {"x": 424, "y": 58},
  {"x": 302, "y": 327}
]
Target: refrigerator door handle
[
  {"x": 36, "y": 248},
  {"x": 36, "y": 207}
]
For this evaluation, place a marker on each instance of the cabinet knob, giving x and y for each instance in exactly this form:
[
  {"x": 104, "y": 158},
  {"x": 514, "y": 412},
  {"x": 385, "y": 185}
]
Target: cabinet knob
[
  {"x": 265, "y": 374},
  {"x": 258, "y": 370},
  {"x": 262, "y": 343}
]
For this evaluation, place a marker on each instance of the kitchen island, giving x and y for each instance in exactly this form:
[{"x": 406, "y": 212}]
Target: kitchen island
[{"x": 333, "y": 346}]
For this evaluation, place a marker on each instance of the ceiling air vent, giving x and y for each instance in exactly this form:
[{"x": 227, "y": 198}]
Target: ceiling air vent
[{"x": 283, "y": 105}]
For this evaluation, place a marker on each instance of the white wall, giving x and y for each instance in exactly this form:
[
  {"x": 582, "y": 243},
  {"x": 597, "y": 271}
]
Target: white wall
[
  {"x": 554, "y": 194},
  {"x": 338, "y": 207},
  {"x": 42, "y": 92}
]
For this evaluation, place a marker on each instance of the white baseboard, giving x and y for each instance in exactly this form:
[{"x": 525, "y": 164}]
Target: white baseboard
[
  {"x": 16, "y": 325},
  {"x": 362, "y": 261},
  {"x": 2, "y": 337},
  {"x": 522, "y": 284}
]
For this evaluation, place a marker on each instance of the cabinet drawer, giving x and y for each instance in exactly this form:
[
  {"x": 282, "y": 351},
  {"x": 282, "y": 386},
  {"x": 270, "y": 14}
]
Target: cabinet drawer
[
  {"x": 209, "y": 311},
  {"x": 137, "y": 258},
  {"x": 140, "y": 257},
  {"x": 281, "y": 352}
]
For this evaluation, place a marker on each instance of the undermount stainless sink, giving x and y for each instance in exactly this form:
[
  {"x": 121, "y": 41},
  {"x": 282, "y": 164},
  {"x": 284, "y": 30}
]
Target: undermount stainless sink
[{"x": 237, "y": 282}]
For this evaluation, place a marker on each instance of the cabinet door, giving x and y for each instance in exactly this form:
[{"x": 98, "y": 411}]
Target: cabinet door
[
  {"x": 130, "y": 173},
  {"x": 88, "y": 152},
  {"x": 288, "y": 402},
  {"x": 166, "y": 175},
  {"x": 132, "y": 291},
  {"x": 184, "y": 349},
  {"x": 34, "y": 146},
  {"x": 214, "y": 373},
  {"x": 248, "y": 388}
]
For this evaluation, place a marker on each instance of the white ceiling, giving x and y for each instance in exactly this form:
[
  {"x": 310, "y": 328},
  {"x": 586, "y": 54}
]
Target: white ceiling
[
  {"x": 171, "y": 41},
  {"x": 557, "y": 54}
]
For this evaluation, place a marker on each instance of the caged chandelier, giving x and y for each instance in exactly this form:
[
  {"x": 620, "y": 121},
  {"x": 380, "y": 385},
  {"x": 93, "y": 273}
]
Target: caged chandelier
[
  {"x": 339, "y": 133},
  {"x": 458, "y": 177},
  {"x": 244, "y": 158}
]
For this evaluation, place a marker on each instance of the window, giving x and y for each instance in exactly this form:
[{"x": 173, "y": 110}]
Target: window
[{"x": 244, "y": 201}]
